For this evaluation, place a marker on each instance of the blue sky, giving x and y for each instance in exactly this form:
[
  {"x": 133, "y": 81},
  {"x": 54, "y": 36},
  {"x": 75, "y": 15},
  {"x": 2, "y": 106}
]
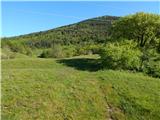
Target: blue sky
[{"x": 26, "y": 17}]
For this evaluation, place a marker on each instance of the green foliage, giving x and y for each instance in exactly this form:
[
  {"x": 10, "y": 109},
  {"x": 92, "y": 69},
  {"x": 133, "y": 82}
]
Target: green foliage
[
  {"x": 6, "y": 53},
  {"x": 94, "y": 48},
  {"x": 17, "y": 46},
  {"x": 54, "y": 52},
  {"x": 88, "y": 49},
  {"x": 158, "y": 45},
  {"x": 83, "y": 50},
  {"x": 58, "y": 51},
  {"x": 151, "y": 62},
  {"x": 69, "y": 51},
  {"x": 141, "y": 27},
  {"x": 122, "y": 55},
  {"x": 152, "y": 68}
]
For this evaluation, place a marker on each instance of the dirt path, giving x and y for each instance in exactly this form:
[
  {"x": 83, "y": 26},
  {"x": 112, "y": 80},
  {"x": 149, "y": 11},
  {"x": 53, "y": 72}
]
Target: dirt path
[{"x": 109, "y": 109}]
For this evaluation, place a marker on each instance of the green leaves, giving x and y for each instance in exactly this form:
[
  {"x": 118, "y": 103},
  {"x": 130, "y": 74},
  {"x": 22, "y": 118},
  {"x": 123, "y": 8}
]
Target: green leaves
[
  {"x": 141, "y": 27},
  {"x": 123, "y": 55}
]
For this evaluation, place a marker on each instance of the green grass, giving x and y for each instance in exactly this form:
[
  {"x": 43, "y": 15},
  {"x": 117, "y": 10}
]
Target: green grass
[{"x": 75, "y": 89}]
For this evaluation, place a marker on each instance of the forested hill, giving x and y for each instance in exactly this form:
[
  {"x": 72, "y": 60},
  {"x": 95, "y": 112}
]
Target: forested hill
[{"x": 93, "y": 30}]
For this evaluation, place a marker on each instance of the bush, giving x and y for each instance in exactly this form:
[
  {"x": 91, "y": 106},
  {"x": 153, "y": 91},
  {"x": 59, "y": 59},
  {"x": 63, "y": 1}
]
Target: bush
[
  {"x": 88, "y": 49},
  {"x": 54, "y": 52},
  {"x": 151, "y": 62},
  {"x": 6, "y": 53},
  {"x": 4, "y": 56},
  {"x": 122, "y": 55},
  {"x": 17, "y": 47},
  {"x": 94, "y": 48},
  {"x": 152, "y": 68},
  {"x": 69, "y": 51},
  {"x": 83, "y": 51}
]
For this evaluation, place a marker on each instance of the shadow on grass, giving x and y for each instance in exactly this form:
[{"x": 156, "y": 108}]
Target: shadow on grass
[{"x": 84, "y": 64}]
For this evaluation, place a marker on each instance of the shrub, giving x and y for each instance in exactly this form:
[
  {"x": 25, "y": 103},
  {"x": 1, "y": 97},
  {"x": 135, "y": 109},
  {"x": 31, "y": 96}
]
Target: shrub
[
  {"x": 44, "y": 54},
  {"x": 69, "y": 51},
  {"x": 54, "y": 52},
  {"x": 6, "y": 53},
  {"x": 95, "y": 49},
  {"x": 82, "y": 51},
  {"x": 151, "y": 62},
  {"x": 122, "y": 55},
  {"x": 88, "y": 49},
  {"x": 4, "y": 56},
  {"x": 152, "y": 68},
  {"x": 17, "y": 47}
]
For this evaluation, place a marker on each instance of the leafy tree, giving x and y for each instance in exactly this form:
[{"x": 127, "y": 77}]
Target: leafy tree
[{"x": 141, "y": 27}]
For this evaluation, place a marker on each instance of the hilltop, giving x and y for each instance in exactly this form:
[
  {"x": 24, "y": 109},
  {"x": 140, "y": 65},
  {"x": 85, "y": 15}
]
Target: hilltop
[{"x": 93, "y": 30}]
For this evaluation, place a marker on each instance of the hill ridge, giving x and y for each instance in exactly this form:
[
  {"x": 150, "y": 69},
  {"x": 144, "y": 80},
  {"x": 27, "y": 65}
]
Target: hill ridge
[{"x": 99, "y": 18}]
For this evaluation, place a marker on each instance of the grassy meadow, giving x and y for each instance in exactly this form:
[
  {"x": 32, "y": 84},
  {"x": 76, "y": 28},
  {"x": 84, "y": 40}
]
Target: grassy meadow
[{"x": 75, "y": 89}]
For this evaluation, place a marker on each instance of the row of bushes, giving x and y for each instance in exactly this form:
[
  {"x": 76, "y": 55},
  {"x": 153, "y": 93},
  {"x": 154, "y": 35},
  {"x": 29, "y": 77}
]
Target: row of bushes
[
  {"x": 126, "y": 55},
  {"x": 58, "y": 51}
]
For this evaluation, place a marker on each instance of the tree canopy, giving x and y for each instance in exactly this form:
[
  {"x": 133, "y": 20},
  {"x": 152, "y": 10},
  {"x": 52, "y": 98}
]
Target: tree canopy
[{"x": 141, "y": 27}]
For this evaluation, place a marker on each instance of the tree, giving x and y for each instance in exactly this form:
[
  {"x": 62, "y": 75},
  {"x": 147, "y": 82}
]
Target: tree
[{"x": 141, "y": 27}]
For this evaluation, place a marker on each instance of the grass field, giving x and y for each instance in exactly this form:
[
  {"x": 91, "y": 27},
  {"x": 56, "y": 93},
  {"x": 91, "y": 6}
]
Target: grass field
[{"x": 75, "y": 89}]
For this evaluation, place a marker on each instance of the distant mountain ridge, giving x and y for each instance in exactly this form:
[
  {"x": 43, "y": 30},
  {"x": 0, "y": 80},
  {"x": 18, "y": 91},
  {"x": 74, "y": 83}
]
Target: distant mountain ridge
[{"x": 93, "y": 30}]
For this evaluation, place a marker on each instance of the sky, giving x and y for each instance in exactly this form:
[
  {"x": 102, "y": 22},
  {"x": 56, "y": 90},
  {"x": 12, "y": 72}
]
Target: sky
[{"x": 26, "y": 17}]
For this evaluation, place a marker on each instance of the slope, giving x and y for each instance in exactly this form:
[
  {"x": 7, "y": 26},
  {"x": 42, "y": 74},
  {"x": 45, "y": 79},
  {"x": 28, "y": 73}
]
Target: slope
[
  {"x": 53, "y": 89},
  {"x": 88, "y": 31}
]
